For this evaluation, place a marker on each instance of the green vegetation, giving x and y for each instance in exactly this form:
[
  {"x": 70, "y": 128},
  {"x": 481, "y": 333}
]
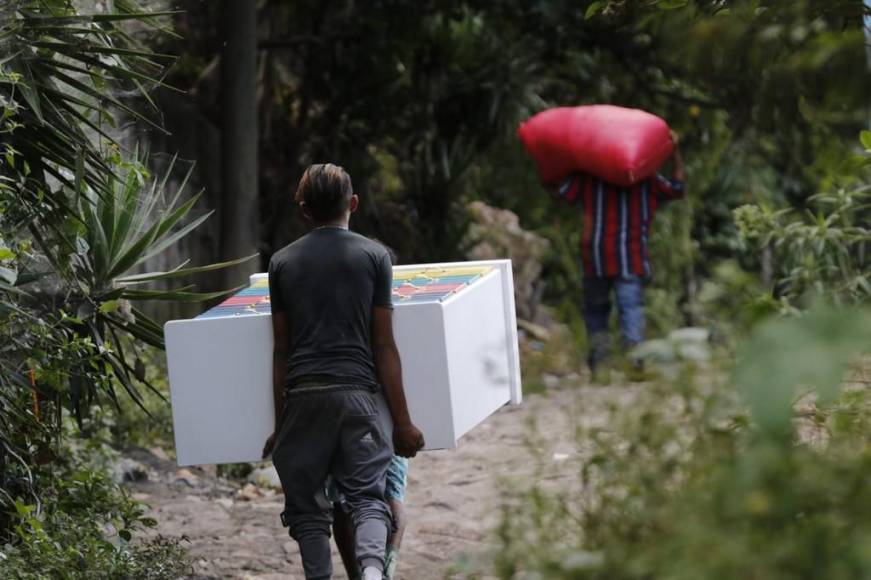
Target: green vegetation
[
  {"x": 79, "y": 216},
  {"x": 83, "y": 524},
  {"x": 755, "y": 465},
  {"x": 684, "y": 483},
  {"x": 821, "y": 253}
]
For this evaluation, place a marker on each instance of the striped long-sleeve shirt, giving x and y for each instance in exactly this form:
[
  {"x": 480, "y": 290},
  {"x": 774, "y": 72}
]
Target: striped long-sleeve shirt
[{"x": 617, "y": 221}]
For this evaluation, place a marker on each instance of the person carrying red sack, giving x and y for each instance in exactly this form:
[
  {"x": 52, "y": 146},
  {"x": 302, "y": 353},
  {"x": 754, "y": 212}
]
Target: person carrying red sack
[{"x": 616, "y": 230}]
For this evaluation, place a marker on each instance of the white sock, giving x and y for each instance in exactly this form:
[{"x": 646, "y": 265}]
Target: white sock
[{"x": 372, "y": 573}]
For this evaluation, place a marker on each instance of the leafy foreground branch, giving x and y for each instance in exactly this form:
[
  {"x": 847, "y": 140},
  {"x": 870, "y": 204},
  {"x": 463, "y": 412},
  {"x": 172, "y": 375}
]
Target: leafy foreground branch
[
  {"x": 79, "y": 220},
  {"x": 85, "y": 528},
  {"x": 685, "y": 484}
]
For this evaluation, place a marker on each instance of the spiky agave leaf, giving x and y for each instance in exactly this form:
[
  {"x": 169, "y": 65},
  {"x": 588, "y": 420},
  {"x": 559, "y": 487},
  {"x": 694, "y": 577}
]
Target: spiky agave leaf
[
  {"x": 95, "y": 216},
  {"x": 135, "y": 219},
  {"x": 71, "y": 70}
]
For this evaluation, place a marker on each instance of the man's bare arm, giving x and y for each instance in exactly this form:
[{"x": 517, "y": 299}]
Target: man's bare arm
[
  {"x": 407, "y": 439},
  {"x": 280, "y": 350}
]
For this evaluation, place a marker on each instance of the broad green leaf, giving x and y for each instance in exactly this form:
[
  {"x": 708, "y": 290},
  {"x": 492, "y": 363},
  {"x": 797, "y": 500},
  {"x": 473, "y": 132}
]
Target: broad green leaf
[
  {"x": 594, "y": 8},
  {"x": 6, "y": 253},
  {"x": 865, "y": 137},
  {"x": 787, "y": 356},
  {"x": 855, "y": 162}
]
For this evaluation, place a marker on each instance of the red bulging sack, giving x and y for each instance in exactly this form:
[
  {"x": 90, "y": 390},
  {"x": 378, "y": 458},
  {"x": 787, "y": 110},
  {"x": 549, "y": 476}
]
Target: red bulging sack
[{"x": 619, "y": 145}]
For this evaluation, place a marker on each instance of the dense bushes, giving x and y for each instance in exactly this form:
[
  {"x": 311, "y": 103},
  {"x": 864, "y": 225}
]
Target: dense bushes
[
  {"x": 683, "y": 483},
  {"x": 79, "y": 216},
  {"x": 819, "y": 253},
  {"x": 756, "y": 467},
  {"x": 82, "y": 524}
]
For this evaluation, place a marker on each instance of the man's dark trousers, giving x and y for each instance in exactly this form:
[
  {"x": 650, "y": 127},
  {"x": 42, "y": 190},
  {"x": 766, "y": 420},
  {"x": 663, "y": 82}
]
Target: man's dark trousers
[
  {"x": 333, "y": 430},
  {"x": 597, "y": 309}
]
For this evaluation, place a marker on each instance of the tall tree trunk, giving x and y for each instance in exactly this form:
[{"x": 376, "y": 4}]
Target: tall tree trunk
[{"x": 239, "y": 198}]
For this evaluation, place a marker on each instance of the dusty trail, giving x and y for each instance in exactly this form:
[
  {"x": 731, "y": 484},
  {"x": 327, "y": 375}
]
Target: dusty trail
[{"x": 452, "y": 495}]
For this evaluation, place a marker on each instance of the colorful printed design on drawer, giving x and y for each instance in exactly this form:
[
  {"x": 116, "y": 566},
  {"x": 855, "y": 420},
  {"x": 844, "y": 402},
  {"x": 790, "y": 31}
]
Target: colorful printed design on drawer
[
  {"x": 433, "y": 284},
  {"x": 409, "y": 286},
  {"x": 252, "y": 300}
]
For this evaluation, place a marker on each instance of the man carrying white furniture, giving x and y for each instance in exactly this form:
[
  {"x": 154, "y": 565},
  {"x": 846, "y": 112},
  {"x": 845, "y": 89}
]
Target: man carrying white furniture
[{"x": 332, "y": 324}]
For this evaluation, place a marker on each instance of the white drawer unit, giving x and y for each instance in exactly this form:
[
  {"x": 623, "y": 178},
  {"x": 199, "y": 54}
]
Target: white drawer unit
[{"x": 455, "y": 328}]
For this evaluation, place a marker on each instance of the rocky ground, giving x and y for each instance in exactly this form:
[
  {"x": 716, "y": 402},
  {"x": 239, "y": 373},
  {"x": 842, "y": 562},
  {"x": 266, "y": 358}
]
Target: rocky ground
[{"x": 233, "y": 529}]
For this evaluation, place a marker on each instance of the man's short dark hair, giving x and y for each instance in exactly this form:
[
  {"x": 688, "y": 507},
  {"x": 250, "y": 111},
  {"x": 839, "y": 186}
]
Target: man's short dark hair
[{"x": 326, "y": 190}]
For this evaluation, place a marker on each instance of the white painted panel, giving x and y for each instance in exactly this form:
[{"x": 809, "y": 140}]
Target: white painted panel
[
  {"x": 480, "y": 373},
  {"x": 220, "y": 376},
  {"x": 509, "y": 311},
  {"x": 420, "y": 336},
  {"x": 510, "y": 318},
  {"x": 459, "y": 357}
]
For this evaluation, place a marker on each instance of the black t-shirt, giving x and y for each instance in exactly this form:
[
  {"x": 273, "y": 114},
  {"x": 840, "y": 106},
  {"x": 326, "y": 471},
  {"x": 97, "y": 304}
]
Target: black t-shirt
[{"x": 328, "y": 281}]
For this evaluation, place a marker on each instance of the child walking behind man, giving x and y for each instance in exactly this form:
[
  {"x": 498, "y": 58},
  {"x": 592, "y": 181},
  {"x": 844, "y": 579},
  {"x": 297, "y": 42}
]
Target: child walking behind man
[
  {"x": 397, "y": 481},
  {"x": 332, "y": 325}
]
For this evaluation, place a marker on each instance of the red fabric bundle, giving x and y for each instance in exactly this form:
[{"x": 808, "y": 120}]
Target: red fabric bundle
[{"x": 622, "y": 146}]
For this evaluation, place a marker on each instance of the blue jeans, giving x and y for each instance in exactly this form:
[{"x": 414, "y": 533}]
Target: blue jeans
[{"x": 597, "y": 309}]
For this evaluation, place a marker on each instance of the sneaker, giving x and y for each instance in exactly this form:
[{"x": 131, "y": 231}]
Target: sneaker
[{"x": 390, "y": 561}]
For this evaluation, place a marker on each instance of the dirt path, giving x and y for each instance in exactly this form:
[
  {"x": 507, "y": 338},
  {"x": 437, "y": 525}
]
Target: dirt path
[{"x": 452, "y": 496}]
